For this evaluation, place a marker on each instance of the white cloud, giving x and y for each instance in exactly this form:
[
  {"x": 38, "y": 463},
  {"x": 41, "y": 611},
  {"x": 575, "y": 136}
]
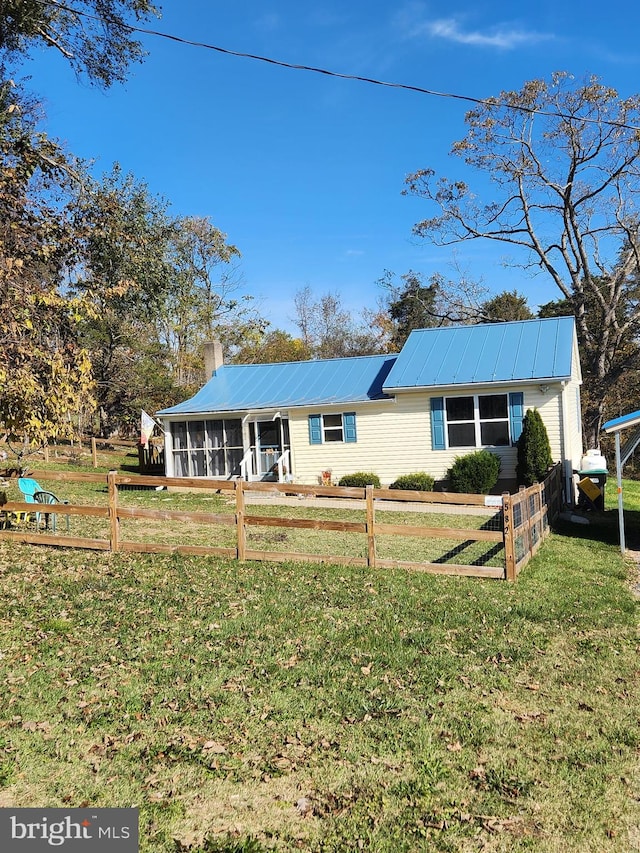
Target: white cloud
[{"x": 500, "y": 36}]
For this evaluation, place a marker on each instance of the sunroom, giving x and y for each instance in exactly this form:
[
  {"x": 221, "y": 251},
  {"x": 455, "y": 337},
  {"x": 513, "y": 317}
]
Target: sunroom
[{"x": 251, "y": 446}]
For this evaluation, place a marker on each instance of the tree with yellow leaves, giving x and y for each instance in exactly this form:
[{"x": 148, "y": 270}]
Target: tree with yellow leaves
[{"x": 45, "y": 375}]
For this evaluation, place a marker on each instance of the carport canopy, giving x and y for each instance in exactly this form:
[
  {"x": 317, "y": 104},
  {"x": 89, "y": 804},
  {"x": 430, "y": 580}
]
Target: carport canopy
[{"x": 615, "y": 427}]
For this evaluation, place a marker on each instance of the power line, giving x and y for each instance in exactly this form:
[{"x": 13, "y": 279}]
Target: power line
[{"x": 486, "y": 102}]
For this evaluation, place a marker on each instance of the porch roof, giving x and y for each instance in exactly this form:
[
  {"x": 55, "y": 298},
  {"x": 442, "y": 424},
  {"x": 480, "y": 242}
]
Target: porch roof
[{"x": 248, "y": 387}]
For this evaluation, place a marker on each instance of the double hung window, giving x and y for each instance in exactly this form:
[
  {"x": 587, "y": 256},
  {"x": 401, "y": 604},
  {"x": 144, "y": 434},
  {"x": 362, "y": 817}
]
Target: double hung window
[
  {"x": 476, "y": 420},
  {"x": 328, "y": 428},
  {"x": 481, "y": 420}
]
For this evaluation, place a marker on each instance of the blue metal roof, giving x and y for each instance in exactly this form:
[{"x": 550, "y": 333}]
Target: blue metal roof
[
  {"x": 615, "y": 425},
  {"x": 246, "y": 387},
  {"x": 491, "y": 352}
]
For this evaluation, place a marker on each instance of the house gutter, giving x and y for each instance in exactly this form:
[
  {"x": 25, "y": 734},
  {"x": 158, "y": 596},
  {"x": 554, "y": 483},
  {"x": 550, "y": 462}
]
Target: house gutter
[
  {"x": 269, "y": 410},
  {"x": 490, "y": 383}
]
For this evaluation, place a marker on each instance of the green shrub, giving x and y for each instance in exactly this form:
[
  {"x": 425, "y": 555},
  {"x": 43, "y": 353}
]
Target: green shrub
[
  {"x": 534, "y": 450},
  {"x": 418, "y": 482},
  {"x": 474, "y": 474},
  {"x": 360, "y": 479}
]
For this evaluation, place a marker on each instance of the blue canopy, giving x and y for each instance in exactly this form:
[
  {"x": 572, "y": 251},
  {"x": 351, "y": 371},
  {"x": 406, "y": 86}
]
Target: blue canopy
[{"x": 616, "y": 426}]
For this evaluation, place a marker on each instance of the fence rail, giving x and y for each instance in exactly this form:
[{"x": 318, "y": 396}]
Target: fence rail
[
  {"x": 527, "y": 518},
  {"x": 518, "y": 523}
]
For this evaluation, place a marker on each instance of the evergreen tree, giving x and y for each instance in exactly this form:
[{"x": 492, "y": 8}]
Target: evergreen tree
[
  {"x": 534, "y": 450},
  {"x": 504, "y": 307}
]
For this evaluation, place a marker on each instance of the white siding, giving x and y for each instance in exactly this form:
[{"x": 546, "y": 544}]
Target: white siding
[
  {"x": 388, "y": 438},
  {"x": 549, "y": 404},
  {"x": 395, "y": 438},
  {"x": 573, "y": 412}
]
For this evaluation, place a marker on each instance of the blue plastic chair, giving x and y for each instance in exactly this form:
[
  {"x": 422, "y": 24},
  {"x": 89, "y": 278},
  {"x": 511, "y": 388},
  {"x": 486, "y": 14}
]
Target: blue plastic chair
[{"x": 34, "y": 494}]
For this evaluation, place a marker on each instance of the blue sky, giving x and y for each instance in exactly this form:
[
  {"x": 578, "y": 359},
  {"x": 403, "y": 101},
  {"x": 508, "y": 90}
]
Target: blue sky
[{"x": 304, "y": 172}]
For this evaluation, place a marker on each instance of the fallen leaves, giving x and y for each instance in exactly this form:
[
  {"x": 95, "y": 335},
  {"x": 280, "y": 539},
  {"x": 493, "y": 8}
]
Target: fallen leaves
[
  {"x": 32, "y": 726},
  {"x": 304, "y": 807},
  {"x": 489, "y": 823},
  {"x": 213, "y": 747},
  {"x": 531, "y": 717}
]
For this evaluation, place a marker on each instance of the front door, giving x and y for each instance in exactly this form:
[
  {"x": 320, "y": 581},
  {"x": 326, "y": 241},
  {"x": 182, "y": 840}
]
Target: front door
[{"x": 268, "y": 446}]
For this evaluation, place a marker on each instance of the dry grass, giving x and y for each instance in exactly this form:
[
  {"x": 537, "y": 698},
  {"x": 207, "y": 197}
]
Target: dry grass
[{"x": 251, "y": 707}]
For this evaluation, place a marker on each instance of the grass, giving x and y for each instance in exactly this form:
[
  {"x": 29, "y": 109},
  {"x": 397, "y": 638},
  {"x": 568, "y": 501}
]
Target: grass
[
  {"x": 272, "y": 539},
  {"x": 252, "y": 707}
]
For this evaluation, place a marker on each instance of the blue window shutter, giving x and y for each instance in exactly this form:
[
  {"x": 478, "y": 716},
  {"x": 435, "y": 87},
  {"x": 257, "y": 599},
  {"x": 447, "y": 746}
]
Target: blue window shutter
[
  {"x": 349, "y": 426},
  {"x": 315, "y": 429},
  {"x": 516, "y": 414},
  {"x": 437, "y": 423}
]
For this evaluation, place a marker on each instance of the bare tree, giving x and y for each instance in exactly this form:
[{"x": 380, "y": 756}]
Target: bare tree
[
  {"x": 564, "y": 164},
  {"x": 328, "y": 330}
]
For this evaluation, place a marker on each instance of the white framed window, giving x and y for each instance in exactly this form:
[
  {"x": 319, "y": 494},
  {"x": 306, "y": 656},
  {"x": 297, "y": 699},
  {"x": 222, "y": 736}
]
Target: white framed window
[
  {"x": 477, "y": 420},
  {"x": 332, "y": 427}
]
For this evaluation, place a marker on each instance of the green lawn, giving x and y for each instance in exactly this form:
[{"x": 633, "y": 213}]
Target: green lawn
[
  {"x": 267, "y": 538},
  {"x": 251, "y": 707}
]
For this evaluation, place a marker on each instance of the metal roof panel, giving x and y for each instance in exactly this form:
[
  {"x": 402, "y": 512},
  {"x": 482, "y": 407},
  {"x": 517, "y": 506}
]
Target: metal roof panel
[
  {"x": 245, "y": 387},
  {"x": 485, "y": 353},
  {"x": 448, "y": 356}
]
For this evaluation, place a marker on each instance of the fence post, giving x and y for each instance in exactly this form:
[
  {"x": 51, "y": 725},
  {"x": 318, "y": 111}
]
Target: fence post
[
  {"x": 240, "y": 526},
  {"x": 94, "y": 452},
  {"x": 371, "y": 533},
  {"x": 523, "y": 495},
  {"x": 542, "y": 521},
  {"x": 508, "y": 534},
  {"x": 558, "y": 491},
  {"x": 114, "y": 524}
]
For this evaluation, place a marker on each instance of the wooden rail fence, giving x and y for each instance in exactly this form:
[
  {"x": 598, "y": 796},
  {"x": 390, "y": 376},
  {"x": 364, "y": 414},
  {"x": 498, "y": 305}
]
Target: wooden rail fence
[
  {"x": 522, "y": 521},
  {"x": 527, "y": 518}
]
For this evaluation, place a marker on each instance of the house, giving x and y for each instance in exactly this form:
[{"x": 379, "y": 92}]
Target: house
[{"x": 448, "y": 392}]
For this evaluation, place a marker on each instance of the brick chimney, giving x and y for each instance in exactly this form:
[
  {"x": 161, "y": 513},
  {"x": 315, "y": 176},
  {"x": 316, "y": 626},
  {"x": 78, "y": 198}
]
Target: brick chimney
[{"x": 213, "y": 358}]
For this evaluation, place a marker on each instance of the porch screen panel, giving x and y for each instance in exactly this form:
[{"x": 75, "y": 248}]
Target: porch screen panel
[
  {"x": 285, "y": 434},
  {"x": 215, "y": 434},
  {"x": 215, "y": 454},
  {"x": 180, "y": 449},
  {"x": 234, "y": 458},
  {"x": 196, "y": 442},
  {"x": 233, "y": 430},
  {"x": 234, "y": 450},
  {"x": 179, "y": 434},
  {"x": 181, "y": 463}
]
